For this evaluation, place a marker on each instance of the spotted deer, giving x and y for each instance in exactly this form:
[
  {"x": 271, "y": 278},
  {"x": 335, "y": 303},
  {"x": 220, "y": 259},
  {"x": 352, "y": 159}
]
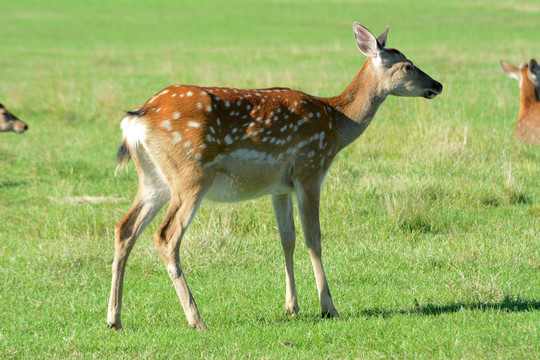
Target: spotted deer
[
  {"x": 9, "y": 122},
  {"x": 228, "y": 145},
  {"x": 528, "y": 125}
]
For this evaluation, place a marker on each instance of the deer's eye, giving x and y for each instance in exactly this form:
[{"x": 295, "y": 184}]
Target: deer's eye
[{"x": 408, "y": 67}]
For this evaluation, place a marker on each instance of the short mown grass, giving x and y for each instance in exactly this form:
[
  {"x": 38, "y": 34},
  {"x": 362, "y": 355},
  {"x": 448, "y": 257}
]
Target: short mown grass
[{"x": 430, "y": 220}]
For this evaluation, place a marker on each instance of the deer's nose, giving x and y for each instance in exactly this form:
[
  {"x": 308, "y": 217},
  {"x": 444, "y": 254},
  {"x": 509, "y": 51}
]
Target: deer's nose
[{"x": 438, "y": 87}]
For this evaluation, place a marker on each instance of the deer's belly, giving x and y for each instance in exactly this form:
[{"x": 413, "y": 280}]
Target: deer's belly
[{"x": 238, "y": 180}]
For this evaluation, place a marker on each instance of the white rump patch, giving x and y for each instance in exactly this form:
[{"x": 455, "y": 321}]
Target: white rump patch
[{"x": 133, "y": 130}]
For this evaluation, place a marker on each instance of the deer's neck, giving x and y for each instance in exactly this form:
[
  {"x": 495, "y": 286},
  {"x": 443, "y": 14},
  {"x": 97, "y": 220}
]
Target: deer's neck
[
  {"x": 529, "y": 97},
  {"x": 354, "y": 108}
]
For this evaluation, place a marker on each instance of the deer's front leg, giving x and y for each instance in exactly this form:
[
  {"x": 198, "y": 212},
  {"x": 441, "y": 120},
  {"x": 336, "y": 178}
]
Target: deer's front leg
[
  {"x": 283, "y": 209},
  {"x": 308, "y": 196}
]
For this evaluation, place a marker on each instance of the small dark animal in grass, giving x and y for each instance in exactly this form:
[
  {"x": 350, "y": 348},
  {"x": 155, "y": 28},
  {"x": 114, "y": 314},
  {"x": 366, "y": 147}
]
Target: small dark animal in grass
[
  {"x": 528, "y": 124},
  {"x": 223, "y": 144},
  {"x": 9, "y": 122}
]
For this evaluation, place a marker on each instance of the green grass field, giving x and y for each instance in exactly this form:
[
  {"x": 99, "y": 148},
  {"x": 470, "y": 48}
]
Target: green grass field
[{"x": 430, "y": 220}]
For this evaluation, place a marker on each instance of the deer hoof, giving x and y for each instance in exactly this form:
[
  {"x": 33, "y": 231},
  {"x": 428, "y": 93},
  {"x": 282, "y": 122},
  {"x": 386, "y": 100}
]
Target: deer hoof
[
  {"x": 330, "y": 314},
  {"x": 199, "y": 325},
  {"x": 113, "y": 326}
]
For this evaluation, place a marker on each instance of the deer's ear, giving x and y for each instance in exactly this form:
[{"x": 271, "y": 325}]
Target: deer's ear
[
  {"x": 382, "y": 38},
  {"x": 366, "y": 42},
  {"x": 534, "y": 68},
  {"x": 511, "y": 71}
]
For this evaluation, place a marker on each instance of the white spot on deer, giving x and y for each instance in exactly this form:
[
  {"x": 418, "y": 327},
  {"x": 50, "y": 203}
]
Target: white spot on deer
[
  {"x": 197, "y": 156},
  {"x": 194, "y": 124},
  {"x": 203, "y": 146},
  {"x": 189, "y": 93},
  {"x": 163, "y": 92},
  {"x": 234, "y": 131},
  {"x": 218, "y": 122},
  {"x": 176, "y": 137},
  {"x": 176, "y": 115},
  {"x": 209, "y": 108},
  {"x": 199, "y": 105},
  {"x": 254, "y": 155},
  {"x": 186, "y": 144},
  {"x": 166, "y": 124},
  {"x": 227, "y": 104},
  {"x": 228, "y": 139},
  {"x": 210, "y": 138}
]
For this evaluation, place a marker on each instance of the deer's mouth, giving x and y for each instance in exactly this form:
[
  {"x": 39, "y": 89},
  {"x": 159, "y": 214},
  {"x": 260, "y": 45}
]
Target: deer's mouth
[{"x": 434, "y": 91}]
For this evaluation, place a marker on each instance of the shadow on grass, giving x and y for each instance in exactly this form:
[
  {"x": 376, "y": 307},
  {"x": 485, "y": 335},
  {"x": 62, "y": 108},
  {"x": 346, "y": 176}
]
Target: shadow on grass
[
  {"x": 508, "y": 304},
  {"x": 12, "y": 184}
]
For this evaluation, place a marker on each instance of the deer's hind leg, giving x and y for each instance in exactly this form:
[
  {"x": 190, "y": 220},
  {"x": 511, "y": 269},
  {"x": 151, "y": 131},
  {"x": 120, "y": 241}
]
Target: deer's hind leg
[
  {"x": 153, "y": 193},
  {"x": 185, "y": 200}
]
